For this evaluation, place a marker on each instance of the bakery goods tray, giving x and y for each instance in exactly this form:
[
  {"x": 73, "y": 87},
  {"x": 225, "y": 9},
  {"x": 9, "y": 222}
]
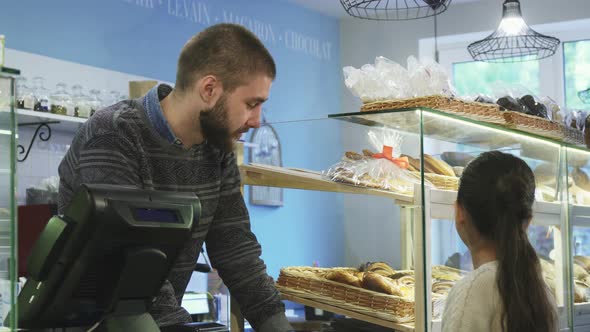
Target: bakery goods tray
[
  {"x": 309, "y": 283},
  {"x": 488, "y": 113}
]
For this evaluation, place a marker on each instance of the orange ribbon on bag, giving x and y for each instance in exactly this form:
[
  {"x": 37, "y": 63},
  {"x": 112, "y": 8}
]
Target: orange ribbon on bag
[{"x": 387, "y": 153}]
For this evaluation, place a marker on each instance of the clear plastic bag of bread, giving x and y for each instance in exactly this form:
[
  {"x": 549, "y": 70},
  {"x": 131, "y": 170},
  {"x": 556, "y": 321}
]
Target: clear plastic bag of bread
[
  {"x": 428, "y": 78},
  {"x": 383, "y": 80},
  {"x": 517, "y": 98},
  {"x": 389, "y": 80},
  {"x": 381, "y": 167}
]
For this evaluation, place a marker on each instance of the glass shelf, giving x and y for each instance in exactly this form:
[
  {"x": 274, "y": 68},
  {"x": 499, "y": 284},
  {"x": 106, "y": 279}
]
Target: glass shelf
[{"x": 451, "y": 128}]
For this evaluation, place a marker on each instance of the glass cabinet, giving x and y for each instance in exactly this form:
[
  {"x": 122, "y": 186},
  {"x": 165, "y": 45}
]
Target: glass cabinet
[
  {"x": 359, "y": 211},
  {"x": 408, "y": 221},
  {"x": 8, "y": 280},
  {"x": 578, "y": 169}
]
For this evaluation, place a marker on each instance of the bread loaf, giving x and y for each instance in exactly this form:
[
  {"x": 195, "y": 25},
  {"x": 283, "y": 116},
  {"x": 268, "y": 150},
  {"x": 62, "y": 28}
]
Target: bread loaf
[
  {"x": 442, "y": 287},
  {"x": 407, "y": 280},
  {"x": 579, "y": 293},
  {"x": 414, "y": 163},
  {"x": 351, "y": 155},
  {"x": 581, "y": 179},
  {"x": 431, "y": 165},
  {"x": 344, "y": 277},
  {"x": 442, "y": 272},
  {"x": 545, "y": 173},
  {"x": 580, "y": 272},
  {"x": 378, "y": 283},
  {"x": 368, "y": 153},
  {"x": 437, "y": 166},
  {"x": 583, "y": 261}
]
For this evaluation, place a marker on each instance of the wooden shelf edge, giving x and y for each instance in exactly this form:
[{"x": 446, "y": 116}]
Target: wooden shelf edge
[
  {"x": 348, "y": 313},
  {"x": 294, "y": 178},
  {"x": 49, "y": 116},
  {"x": 272, "y": 176}
]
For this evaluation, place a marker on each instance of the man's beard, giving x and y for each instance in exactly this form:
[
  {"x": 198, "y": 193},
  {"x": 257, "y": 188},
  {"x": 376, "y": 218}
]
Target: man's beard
[{"x": 215, "y": 126}]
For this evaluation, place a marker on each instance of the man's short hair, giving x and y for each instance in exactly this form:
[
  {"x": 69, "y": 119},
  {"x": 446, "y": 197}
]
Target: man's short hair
[{"x": 228, "y": 51}]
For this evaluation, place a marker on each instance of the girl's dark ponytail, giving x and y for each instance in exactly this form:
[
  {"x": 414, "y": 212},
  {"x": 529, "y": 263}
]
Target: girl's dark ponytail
[{"x": 497, "y": 191}]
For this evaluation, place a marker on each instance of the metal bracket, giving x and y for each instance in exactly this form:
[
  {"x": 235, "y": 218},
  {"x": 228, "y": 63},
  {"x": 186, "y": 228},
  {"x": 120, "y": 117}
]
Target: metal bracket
[{"x": 43, "y": 135}]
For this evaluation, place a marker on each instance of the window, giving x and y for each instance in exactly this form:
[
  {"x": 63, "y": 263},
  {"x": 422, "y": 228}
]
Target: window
[
  {"x": 475, "y": 77},
  {"x": 560, "y": 77},
  {"x": 576, "y": 61}
]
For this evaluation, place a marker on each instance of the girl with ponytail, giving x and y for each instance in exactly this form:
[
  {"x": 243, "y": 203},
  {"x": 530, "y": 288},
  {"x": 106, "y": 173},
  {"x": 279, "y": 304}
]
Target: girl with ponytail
[{"x": 505, "y": 291}]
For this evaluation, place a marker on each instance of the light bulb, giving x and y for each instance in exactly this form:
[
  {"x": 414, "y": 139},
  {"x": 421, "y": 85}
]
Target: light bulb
[{"x": 512, "y": 26}]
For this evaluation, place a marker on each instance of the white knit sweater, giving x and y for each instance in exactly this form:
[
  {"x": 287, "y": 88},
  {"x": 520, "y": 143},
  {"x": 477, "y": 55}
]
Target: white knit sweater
[{"x": 474, "y": 302}]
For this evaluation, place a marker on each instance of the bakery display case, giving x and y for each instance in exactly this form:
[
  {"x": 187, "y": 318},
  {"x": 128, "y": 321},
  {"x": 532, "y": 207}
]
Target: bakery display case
[
  {"x": 8, "y": 282},
  {"x": 417, "y": 242},
  {"x": 579, "y": 214}
]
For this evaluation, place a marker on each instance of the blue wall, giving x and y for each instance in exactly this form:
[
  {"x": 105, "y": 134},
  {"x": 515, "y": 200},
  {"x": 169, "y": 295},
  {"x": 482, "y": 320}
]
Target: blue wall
[{"x": 144, "y": 37}]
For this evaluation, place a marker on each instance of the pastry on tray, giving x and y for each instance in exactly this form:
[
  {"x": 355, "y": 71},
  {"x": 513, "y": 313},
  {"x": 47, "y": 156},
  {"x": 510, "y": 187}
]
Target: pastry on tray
[
  {"x": 431, "y": 165},
  {"x": 378, "y": 283},
  {"x": 346, "y": 277},
  {"x": 383, "y": 166},
  {"x": 361, "y": 170},
  {"x": 581, "y": 179},
  {"x": 379, "y": 166},
  {"x": 382, "y": 278},
  {"x": 367, "y": 171}
]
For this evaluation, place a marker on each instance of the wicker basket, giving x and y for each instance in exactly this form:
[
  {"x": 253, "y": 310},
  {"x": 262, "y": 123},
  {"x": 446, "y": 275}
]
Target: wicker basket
[
  {"x": 440, "y": 181},
  {"x": 490, "y": 113},
  {"x": 309, "y": 283},
  {"x": 533, "y": 124}
]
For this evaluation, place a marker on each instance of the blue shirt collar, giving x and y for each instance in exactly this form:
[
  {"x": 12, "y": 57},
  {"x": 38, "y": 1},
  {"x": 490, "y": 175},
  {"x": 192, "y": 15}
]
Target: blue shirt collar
[{"x": 151, "y": 103}]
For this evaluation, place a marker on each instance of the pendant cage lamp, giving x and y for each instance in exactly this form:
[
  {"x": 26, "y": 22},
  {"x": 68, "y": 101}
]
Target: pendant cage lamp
[
  {"x": 584, "y": 96},
  {"x": 394, "y": 10},
  {"x": 514, "y": 40}
]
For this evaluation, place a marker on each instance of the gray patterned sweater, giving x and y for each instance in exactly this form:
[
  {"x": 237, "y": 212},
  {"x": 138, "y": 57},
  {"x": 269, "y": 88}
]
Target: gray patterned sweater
[{"x": 119, "y": 145}]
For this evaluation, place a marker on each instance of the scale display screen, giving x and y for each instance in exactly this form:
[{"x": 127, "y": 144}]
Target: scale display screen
[{"x": 156, "y": 215}]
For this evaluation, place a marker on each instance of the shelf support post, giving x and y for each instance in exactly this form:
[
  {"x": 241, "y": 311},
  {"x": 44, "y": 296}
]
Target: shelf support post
[
  {"x": 422, "y": 266},
  {"x": 406, "y": 237}
]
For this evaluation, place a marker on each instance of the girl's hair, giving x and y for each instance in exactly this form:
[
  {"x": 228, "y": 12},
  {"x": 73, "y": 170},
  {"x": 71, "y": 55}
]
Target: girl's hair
[{"x": 497, "y": 191}]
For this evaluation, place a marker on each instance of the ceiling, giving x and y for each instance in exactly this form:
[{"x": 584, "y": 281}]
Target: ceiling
[{"x": 334, "y": 8}]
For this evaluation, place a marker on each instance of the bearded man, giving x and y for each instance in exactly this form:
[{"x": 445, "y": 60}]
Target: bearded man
[{"x": 181, "y": 139}]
